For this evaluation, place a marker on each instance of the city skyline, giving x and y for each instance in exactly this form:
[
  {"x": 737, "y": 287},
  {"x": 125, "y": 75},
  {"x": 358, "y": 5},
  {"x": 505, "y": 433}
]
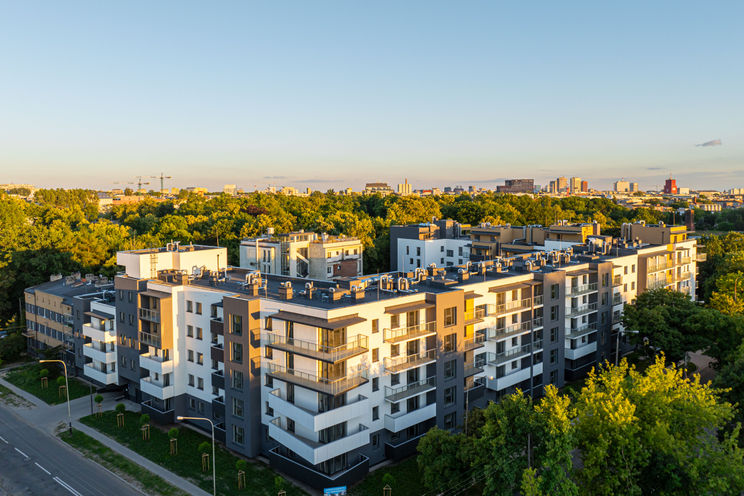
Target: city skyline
[{"x": 327, "y": 96}]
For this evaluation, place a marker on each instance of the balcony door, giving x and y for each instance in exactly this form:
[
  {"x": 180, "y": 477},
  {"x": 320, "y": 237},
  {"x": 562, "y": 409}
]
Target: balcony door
[
  {"x": 412, "y": 319},
  {"x": 331, "y": 338},
  {"x": 332, "y": 371},
  {"x": 412, "y": 347}
]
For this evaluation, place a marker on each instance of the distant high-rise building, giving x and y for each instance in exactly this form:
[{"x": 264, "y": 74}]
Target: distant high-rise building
[
  {"x": 561, "y": 184},
  {"x": 404, "y": 188},
  {"x": 372, "y": 188},
  {"x": 553, "y": 188},
  {"x": 230, "y": 189},
  {"x": 634, "y": 187},
  {"x": 670, "y": 187},
  {"x": 622, "y": 186},
  {"x": 574, "y": 185},
  {"x": 517, "y": 186},
  {"x": 585, "y": 186}
]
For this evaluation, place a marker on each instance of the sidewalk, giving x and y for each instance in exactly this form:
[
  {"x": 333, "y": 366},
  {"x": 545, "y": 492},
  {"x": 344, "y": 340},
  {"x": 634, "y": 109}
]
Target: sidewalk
[{"x": 48, "y": 418}]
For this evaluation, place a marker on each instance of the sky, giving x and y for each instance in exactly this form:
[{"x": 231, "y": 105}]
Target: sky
[{"x": 327, "y": 94}]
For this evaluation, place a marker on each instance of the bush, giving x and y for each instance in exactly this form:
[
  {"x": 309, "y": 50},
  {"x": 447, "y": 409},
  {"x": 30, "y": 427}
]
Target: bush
[
  {"x": 144, "y": 419},
  {"x": 120, "y": 408},
  {"x": 241, "y": 465},
  {"x": 205, "y": 447},
  {"x": 60, "y": 381},
  {"x": 98, "y": 399},
  {"x": 44, "y": 373},
  {"x": 388, "y": 479},
  {"x": 173, "y": 433},
  {"x": 279, "y": 483}
]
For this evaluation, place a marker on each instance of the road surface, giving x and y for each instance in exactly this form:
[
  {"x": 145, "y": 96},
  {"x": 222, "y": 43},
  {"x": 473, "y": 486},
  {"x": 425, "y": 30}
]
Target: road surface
[{"x": 35, "y": 463}]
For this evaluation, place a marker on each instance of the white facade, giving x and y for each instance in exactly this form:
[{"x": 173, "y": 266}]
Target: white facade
[
  {"x": 102, "y": 347},
  {"x": 147, "y": 263},
  {"x": 446, "y": 252}
]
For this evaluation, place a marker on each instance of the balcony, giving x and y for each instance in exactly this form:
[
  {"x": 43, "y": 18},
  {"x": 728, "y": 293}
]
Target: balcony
[
  {"x": 657, "y": 283},
  {"x": 582, "y": 289},
  {"x": 475, "y": 315},
  {"x": 684, "y": 260},
  {"x": 581, "y": 331},
  {"x": 684, "y": 276},
  {"x": 149, "y": 339},
  {"x": 104, "y": 336},
  {"x": 470, "y": 369},
  {"x": 580, "y": 351},
  {"x": 313, "y": 451},
  {"x": 103, "y": 354},
  {"x": 617, "y": 299},
  {"x": 617, "y": 281},
  {"x": 701, "y": 257},
  {"x": 95, "y": 373},
  {"x": 513, "y": 306},
  {"x": 514, "y": 377},
  {"x": 218, "y": 379},
  {"x": 155, "y": 389},
  {"x": 395, "y": 394},
  {"x": 496, "y": 333},
  {"x": 149, "y": 314},
  {"x": 316, "y": 421},
  {"x": 153, "y": 363},
  {"x": 319, "y": 384},
  {"x": 403, "y": 420},
  {"x": 400, "y": 334},
  {"x": 477, "y": 341},
  {"x": 537, "y": 323},
  {"x": 538, "y": 300},
  {"x": 513, "y": 354},
  {"x": 399, "y": 364},
  {"x": 581, "y": 310},
  {"x": 657, "y": 266},
  {"x": 353, "y": 347}
]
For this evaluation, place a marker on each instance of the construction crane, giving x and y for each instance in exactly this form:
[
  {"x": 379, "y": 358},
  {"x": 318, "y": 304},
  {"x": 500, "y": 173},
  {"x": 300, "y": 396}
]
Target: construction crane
[
  {"x": 162, "y": 177},
  {"x": 139, "y": 182}
]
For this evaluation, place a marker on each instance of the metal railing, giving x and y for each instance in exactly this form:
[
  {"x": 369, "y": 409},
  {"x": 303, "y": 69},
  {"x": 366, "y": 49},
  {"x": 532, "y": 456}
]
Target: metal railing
[
  {"x": 353, "y": 346},
  {"x": 582, "y": 289},
  {"x": 398, "y": 364},
  {"x": 312, "y": 381},
  {"x": 513, "y": 306},
  {"x": 505, "y": 356},
  {"x": 657, "y": 283},
  {"x": 475, "y": 342},
  {"x": 537, "y": 322},
  {"x": 505, "y": 332},
  {"x": 409, "y": 332},
  {"x": 617, "y": 281},
  {"x": 538, "y": 300},
  {"x": 574, "y": 311},
  {"x": 476, "y": 313},
  {"x": 395, "y": 394},
  {"x": 581, "y": 331},
  {"x": 149, "y": 315},
  {"x": 149, "y": 339}
]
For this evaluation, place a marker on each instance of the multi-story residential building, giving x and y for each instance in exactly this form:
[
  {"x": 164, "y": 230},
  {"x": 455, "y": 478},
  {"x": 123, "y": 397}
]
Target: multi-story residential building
[
  {"x": 56, "y": 313},
  {"x": 442, "y": 242},
  {"x": 517, "y": 186},
  {"x": 574, "y": 185},
  {"x": 670, "y": 186},
  {"x": 327, "y": 378},
  {"x": 303, "y": 254},
  {"x": 382, "y": 188}
]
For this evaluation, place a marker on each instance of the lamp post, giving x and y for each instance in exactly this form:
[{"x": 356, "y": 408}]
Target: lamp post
[
  {"x": 617, "y": 348},
  {"x": 214, "y": 460},
  {"x": 67, "y": 390}
]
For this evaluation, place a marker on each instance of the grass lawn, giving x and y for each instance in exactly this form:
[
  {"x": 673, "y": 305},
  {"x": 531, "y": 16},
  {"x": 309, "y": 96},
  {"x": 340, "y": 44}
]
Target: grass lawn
[
  {"x": 120, "y": 465},
  {"x": 187, "y": 463},
  {"x": 407, "y": 480},
  {"x": 27, "y": 378}
]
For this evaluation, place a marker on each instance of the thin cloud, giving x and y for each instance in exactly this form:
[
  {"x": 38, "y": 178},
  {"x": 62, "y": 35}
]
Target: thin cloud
[
  {"x": 275, "y": 177},
  {"x": 654, "y": 168},
  {"x": 715, "y": 142}
]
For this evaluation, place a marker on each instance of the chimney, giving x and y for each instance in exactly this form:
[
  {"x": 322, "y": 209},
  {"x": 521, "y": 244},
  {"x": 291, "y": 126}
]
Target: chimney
[{"x": 285, "y": 290}]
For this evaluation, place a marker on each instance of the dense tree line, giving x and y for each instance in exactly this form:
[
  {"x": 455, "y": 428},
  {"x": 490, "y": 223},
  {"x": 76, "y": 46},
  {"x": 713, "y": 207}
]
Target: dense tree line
[{"x": 731, "y": 219}]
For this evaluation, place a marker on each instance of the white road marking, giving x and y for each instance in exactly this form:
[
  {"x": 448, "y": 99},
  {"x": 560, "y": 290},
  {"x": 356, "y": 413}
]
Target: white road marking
[
  {"x": 21, "y": 452},
  {"x": 3, "y": 440},
  {"x": 42, "y": 468},
  {"x": 66, "y": 486}
]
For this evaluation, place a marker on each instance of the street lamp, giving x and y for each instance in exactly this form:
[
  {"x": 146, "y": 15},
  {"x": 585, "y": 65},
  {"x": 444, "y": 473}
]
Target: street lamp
[
  {"x": 67, "y": 390},
  {"x": 214, "y": 460},
  {"x": 617, "y": 349}
]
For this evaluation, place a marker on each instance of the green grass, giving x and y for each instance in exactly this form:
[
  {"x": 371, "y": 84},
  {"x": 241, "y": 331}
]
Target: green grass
[
  {"x": 27, "y": 378},
  {"x": 187, "y": 463},
  {"x": 407, "y": 480},
  {"x": 120, "y": 465},
  {"x": 10, "y": 398}
]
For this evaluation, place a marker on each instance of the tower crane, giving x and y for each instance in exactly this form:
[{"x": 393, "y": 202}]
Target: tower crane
[{"x": 162, "y": 177}]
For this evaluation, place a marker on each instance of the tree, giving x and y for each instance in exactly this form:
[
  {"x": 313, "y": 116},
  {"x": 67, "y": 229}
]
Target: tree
[
  {"x": 144, "y": 419},
  {"x": 728, "y": 297},
  {"x": 205, "y": 447},
  {"x": 120, "y": 408},
  {"x": 663, "y": 318},
  {"x": 443, "y": 458}
]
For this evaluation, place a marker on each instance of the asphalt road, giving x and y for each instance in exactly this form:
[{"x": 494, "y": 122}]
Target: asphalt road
[{"x": 35, "y": 463}]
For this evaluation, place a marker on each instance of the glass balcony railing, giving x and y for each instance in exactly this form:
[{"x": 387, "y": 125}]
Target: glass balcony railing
[
  {"x": 406, "y": 333},
  {"x": 398, "y": 393},
  {"x": 582, "y": 289},
  {"x": 398, "y": 364},
  {"x": 353, "y": 347},
  {"x": 332, "y": 386},
  {"x": 514, "y": 353},
  {"x": 149, "y": 315},
  {"x": 582, "y": 309},
  {"x": 475, "y": 342}
]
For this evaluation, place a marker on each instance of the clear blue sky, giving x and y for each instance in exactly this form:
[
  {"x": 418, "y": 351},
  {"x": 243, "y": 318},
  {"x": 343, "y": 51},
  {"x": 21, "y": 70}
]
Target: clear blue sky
[{"x": 327, "y": 93}]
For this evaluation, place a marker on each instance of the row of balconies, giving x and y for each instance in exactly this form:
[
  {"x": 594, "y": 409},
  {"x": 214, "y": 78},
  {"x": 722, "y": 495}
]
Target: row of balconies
[
  {"x": 396, "y": 365},
  {"x": 332, "y": 386},
  {"x": 581, "y": 289},
  {"x": 313, "y": 451},
  {"x": 354, "y": 346},
  {"x": 581, "y": 309},
  {"x": 497, "y": 333},
  {"x": 96, "y": 334},
  {"x": 407, "y": 333},
  {"x": 149, "y": 315},
  {"x": 355, "y": 407},
  {"x": 514, "y": 353}
]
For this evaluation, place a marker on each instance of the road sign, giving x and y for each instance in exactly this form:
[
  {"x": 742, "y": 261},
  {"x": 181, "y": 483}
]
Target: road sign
[{"x": 335, "y": 491}]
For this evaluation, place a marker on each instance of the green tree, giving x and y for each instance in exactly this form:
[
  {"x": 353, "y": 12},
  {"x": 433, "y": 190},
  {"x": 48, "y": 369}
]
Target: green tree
[{"x": 443, "y": 458}]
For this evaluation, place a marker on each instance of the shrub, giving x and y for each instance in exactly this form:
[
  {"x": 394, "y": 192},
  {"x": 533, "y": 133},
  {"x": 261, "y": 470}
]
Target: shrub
[
  {"x": 60, "y": 381},
  {"x": 98, "y": 399},
  {"x": 120, "y": 408},
  {"x": 241, "y": 465},
  {"x": 388, "y": 479},
  {"x": 173, "y": 433},
  {"x": 44, "y": 373},
  {"x": 144, "y": 419},
  {"x": 205, "y": 447}
]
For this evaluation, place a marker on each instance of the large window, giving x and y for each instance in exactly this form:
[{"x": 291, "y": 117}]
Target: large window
[
  {"x": 238, "y": 407},
  {"x": 238, "y": 434},
  {"x": 449, "y": 369},
  {"x": 236, "y": 352},
  {"x": 237, "y": 379},
  {"x": 236, "y": 326},
  {"x": 450, "y": 316}
]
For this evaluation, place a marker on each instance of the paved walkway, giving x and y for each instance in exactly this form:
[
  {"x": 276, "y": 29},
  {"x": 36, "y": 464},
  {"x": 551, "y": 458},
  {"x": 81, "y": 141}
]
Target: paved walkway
[{"x": 49, "y": 418}]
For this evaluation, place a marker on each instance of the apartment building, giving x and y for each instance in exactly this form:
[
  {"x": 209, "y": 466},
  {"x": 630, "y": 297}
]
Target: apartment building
[
  {"x": 442, "y": 242},
  {"x": 490, "y": 241},
  {"x": 56, "y": 312},
  {"x": 326, "y": 378},
  {"x": 303, "y": 254}
]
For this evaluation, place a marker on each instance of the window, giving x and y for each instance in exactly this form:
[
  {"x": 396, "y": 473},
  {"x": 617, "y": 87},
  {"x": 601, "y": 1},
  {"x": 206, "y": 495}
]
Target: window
[
  {"x": 394, "y": 350},
  {"x": 237, "y": 325},
  {"x": 200, "y": 383},
  {"x": 554, "y": 335},
  {"x": 129, "y": 296},
  {"x": 190, "y": 331},
  {"x": 408, "y": 249},
  {"x": 236, "y": 352},
  {"x": 376, "y": 413},
  {"x": 449, "y": 395},
  {"x": 267, "y": 323},
  {"x": 198, "y": 308},
  {"x": 450, "y": 253},
  {"x": 553, "y": 376},
  {"x": 199, "y": 333},
  {"x": 450, "y": 342},
  {"x": 626, "y": 269},
  {"x": 375, "y": 326},
  {"x": 395, "y": 408},
  {"x": 189, "y": 306},
  {"x": 632, "y": 268},
  {"x": 237, "y": 407},
  {"x": 450, "y": 316},
  {"x": 375, "y": 384},
  {"x": 190, "y": 355},
  {"x": 237, "y": 379},
  {"x": 268, "y": 353},
  {"x": 604, "y": 298},
  {"x": 553, "y": 356},
  {"x": 269, "y": 381},
  {"x": 441, "y": 248},
  {"x": 554, "y": 312},
  {"x": 375, "y": 355},
  {"x": 554, "y": 291},
  {"x": 459, "y": 250},
  {"x": 395, "y": 379},
  {"x": 450, "y": 420},
  {"x": 449, "y": 369},
  {"x": 375, "y": 440},
  {"x": 200, "y": 358},
  {"x": 632, "y": 285},
  {"x": 418, "y": 251},
  {"x": 238, "y": 434},
  {"x": 191, "y": 380},
  {"x": 121, "y": 317},
  {"x": 192, "y": 403}
]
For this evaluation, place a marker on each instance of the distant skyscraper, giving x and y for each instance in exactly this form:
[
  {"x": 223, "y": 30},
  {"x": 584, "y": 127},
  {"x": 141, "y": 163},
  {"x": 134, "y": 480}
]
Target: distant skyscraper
[
  {"x": 585, "y": 186},
  {"x": 634, "y": 187},
  {"x": 517, "y": 186},
  {"x": 574, "y": 185},
  {"x": 405, "y": 188},
  {"x": 670, "y": 187},
  {"x": 561, "y": 184}
]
